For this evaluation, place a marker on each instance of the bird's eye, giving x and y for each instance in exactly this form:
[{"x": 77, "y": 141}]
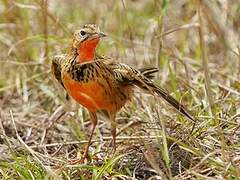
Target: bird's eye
[{"x": 82, "y": 33}]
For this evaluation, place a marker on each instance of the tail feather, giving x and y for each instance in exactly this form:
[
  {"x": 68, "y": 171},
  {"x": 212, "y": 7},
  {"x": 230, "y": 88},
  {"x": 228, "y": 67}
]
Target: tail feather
[
  {"x": 144, "y": 82},
  {"x": 148, "y": 72},
  {"x": 178, "y": 106}
]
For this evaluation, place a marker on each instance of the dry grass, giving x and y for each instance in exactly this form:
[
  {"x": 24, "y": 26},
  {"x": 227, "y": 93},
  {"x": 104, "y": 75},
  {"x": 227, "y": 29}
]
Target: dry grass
[{"x": 196, "y": 46}]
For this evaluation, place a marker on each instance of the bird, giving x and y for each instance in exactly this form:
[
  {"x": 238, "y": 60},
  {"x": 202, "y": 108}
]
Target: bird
[{"x": 100, "y": 83}]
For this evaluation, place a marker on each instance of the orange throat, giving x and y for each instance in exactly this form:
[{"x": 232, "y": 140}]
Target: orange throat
[{"x": 87, "y": 50}]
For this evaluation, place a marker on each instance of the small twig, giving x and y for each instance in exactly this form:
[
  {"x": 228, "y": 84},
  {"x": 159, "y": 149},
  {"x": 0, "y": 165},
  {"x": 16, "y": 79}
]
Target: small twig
[
  {"x": 25, "y": 6},
  {"x": 58, "y": 113},
  {"x": 135, "y": 42},
  {"x": 53, "y": 154},
  {"x": 205, "y": 158},
  {"x": 125, "y": 127},
  {"x": 50, "y": 157},
  {"x": 25, "y": 124},
  {"x": 20, "y": 42},
  {"x": 199, "y": 176},
  {"x": 232, "y": 91},
  {"x": 235, "y": 116},
  {"x": 43, "y": 136},
  {"x": 21, "y": 63},
  {"x": 185, "y": 26}
]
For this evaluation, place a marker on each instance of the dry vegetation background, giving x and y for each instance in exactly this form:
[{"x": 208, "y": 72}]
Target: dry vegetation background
[{"x": 195, "y": 45}]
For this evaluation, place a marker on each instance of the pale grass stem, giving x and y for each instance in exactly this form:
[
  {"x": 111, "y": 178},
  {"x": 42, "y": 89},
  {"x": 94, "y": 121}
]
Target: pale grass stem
[{"x": 204, "y": 59}]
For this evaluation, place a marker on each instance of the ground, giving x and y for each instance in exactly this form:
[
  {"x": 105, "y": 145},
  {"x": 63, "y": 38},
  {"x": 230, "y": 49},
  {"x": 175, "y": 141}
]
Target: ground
[{"x": 195, "y": 45}]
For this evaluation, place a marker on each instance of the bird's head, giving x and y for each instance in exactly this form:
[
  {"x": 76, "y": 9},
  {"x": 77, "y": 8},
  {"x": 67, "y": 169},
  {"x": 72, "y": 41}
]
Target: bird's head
[{"x": 86, "y": 39}]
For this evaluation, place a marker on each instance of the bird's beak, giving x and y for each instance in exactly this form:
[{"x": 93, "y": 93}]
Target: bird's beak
[
  {"x": 101, "y": 34},
  {"x": 97, "y": 36}
]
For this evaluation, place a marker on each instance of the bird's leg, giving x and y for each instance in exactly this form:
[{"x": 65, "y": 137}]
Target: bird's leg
[
  {"x": 93, "y": 118},
  {"x": 113, "y": 131}
]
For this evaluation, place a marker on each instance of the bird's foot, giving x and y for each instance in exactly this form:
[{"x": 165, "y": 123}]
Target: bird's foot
[
  {"x": 81, "y": 158},
  {"x": 76, "y": 161},
  {"x": 86, "y": 159}
]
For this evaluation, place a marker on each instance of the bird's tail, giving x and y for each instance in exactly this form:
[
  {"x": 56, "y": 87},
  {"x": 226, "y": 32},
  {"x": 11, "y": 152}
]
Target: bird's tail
[
  {"x": 148, "y": 72},
  {"x": 172, "y": 101},
  {"x": 144, "y": 82}
]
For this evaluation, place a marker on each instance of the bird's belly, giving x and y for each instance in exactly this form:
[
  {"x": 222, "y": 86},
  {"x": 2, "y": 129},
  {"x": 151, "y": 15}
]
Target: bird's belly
[{"x": 91, "y": 94}]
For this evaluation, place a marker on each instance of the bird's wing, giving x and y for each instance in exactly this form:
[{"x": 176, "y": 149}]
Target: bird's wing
[
  {"x": 142, "y": 78},
  {"x": 129, "y": 75},
  {"x": 56, "y": 67}
]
